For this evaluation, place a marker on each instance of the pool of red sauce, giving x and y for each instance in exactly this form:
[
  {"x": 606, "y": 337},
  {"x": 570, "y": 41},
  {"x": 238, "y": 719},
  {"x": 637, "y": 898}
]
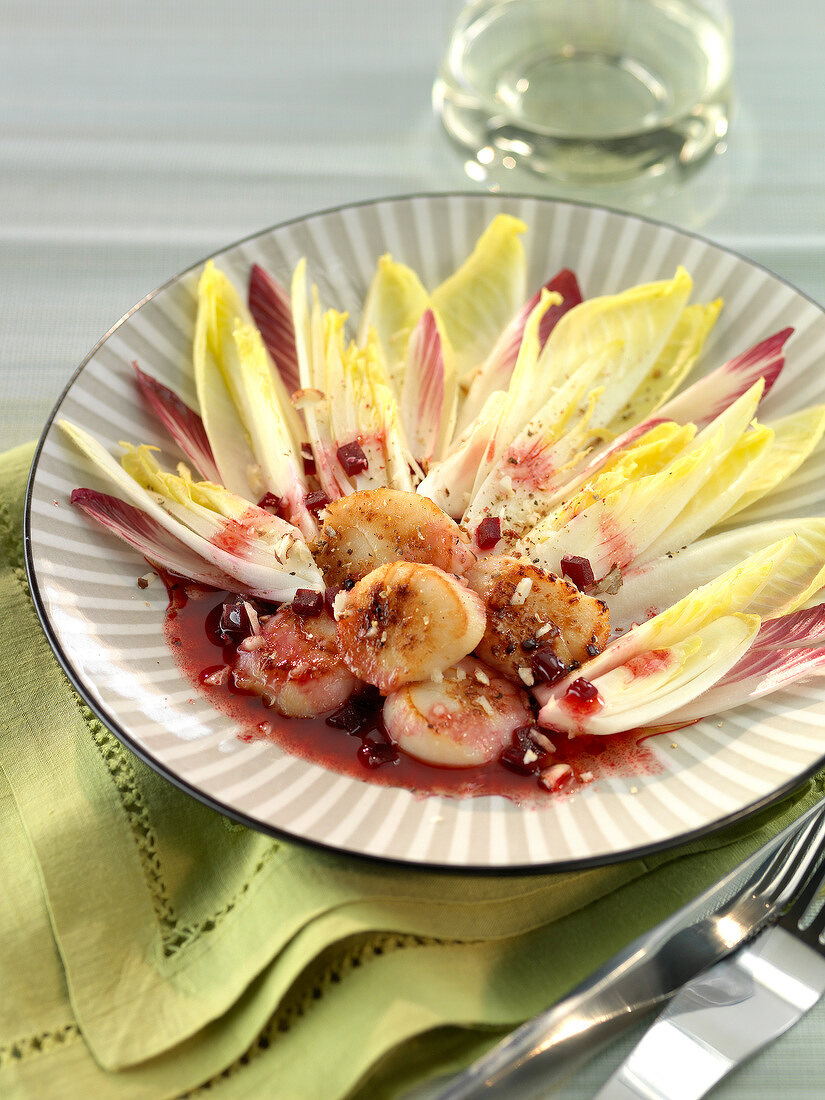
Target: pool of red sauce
[{"x": 191, "y": 641}]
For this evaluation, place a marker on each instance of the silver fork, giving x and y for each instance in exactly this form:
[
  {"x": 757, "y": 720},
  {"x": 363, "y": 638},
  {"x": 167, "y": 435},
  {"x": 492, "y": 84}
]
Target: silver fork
[
  {"x": 739, "y": 1006},
  {"x": 647, "y": 973}
]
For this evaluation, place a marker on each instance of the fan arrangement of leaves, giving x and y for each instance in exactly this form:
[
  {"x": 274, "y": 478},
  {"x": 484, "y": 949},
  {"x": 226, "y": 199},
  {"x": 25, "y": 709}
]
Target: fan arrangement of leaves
[{"x": 552, "y": 429}]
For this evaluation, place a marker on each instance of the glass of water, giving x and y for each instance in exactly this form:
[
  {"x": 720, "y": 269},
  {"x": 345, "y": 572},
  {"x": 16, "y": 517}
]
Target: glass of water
[{"x": 588, "y": 90}]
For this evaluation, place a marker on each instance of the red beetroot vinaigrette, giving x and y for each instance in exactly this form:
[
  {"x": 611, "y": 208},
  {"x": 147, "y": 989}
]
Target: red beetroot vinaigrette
[{"x": 190, "y": 629}]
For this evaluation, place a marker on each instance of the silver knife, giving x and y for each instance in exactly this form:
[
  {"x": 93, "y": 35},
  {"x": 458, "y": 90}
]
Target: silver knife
[
  {"x": 727, "y": 1014},
  {"x": 642, "y": 977}
]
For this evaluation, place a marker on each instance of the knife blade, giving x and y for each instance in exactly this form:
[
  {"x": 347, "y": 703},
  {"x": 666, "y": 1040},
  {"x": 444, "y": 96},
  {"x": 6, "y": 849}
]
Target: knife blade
[
  {"x": 637, "y": 980},
  {"x": 721, "y": 1019}
]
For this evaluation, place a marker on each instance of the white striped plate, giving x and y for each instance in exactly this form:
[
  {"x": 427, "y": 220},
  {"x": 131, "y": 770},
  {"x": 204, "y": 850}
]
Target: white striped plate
[{"x": 107, "y": 633}]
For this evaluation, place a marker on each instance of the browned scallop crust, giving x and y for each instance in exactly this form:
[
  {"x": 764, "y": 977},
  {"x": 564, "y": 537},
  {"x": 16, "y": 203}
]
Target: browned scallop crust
[
  {"x": 404, "y": 621},
  {"x": 378, "y": 526},
  {"x": 518, "y": 614}
]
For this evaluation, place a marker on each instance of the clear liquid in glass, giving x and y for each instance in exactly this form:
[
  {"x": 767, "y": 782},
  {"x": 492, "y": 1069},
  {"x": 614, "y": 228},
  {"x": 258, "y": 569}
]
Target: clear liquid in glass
[{"x": 588, "y": 89}]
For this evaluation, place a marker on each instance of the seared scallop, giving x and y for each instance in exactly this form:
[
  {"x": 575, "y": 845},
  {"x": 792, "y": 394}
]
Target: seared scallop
[
  {"x": 405, "y": 621},
  {"x": 377, "y": 526}
]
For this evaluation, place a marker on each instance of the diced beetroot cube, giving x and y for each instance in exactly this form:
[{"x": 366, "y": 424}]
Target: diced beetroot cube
[
  {"x": 524, "y": 755},
  {"x": 308, "y": 460},
  {"x": 352, "y": 458},
  {"x": 512, "y": 758},
  {"x": 349, "y": 718},
  {"x": 233, "y": 623},
  {"x": 372, "y": 754},
  {"x": 329, "y": 598},
  {"x": 582, "y": 690},
  {"x": 316, "y": 501},
  {"x": 547, "y": 668},
  {"x": 578, "y": 569},
  {"x": 368, "y": 698},
  {"x": 306, "y": 602},
  {"x": 488, "y": 532},
  {"x": 269, "y": 500}
]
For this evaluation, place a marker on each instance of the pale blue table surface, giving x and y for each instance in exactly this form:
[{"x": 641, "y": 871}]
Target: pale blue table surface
[{"x": 137, "y": 138}]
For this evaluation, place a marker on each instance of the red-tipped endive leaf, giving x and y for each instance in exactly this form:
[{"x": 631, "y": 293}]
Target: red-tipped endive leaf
[
  {"x": 505, "y": 352},
  {"x": 422, "y": 392},
  {"x": 700, "y": 403},
  {"x": 649, "y": 587},
  {"x": 650, "y": 687},
  {"x": 786, "y": 649},
  {"x": 760, "y": 672},
  {"x": 266, "y": 576},
  {"x": 147, "y": 536},
  {"x": 496, "y": 370},
  {"x": 805, "y": 627},
  {"x": 183, "y": 424},
  {"x": 271, "y": 310},
  {"x": 711, "y": 395}
]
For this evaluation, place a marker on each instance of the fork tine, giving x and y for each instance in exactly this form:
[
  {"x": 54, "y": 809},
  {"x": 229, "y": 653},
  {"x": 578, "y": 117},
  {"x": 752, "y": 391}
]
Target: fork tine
[
  {"x": 813, "y": 933},
  {"x": 793, "y": 917},
  {"x": 792, "y": 862}
]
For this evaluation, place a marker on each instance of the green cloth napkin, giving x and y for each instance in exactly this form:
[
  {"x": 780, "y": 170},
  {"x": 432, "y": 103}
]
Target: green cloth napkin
[{"x": 151, "y": 948}]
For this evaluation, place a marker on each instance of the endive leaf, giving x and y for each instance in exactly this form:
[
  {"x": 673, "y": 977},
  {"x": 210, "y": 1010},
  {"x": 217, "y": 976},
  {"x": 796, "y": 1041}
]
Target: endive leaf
[
  {"x": 675, "y": 361},
  {"x": 394, "y": 304},
  {"x": 224, "y": 309},
  {"x": 478, "y": 300},
  {"x": 520, "y": 403},
  {"x": 140, "y": 530},
  {"x": 795, "y": 437},
  {"x": 380, "y": 415},
  {"x": 805, "y": 627},
  {"x": 651, "y": 586},
  {"x": 371, "y": 416},
  {"x": 711, "y": 395},
  {"x": 494, "y": 373},
  {"x": 252, "y": 532},
  {"x": 228, "y": 344},
  {"x": 273, "y": 567},
  {"x": 184, "y": 425},
  {"x": 271, "y": 311},
  {"x": 312, "y": 397},
  {"x": 256, "y": 397},
  {"x": 450, "y": 481},
  {"x": 650, "y": 686},
  {"x": 227, "y": 436},
  {"x": 347, "y": 382},
  {"x": 426, "y": 406},
  {"x": 636, "y": 323},
  {"x": 422, "y": 392},
  {"x": 399, "y": 460},
  {"x": 786, "y": 650},
  {"x": 732, "y": 477}
]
